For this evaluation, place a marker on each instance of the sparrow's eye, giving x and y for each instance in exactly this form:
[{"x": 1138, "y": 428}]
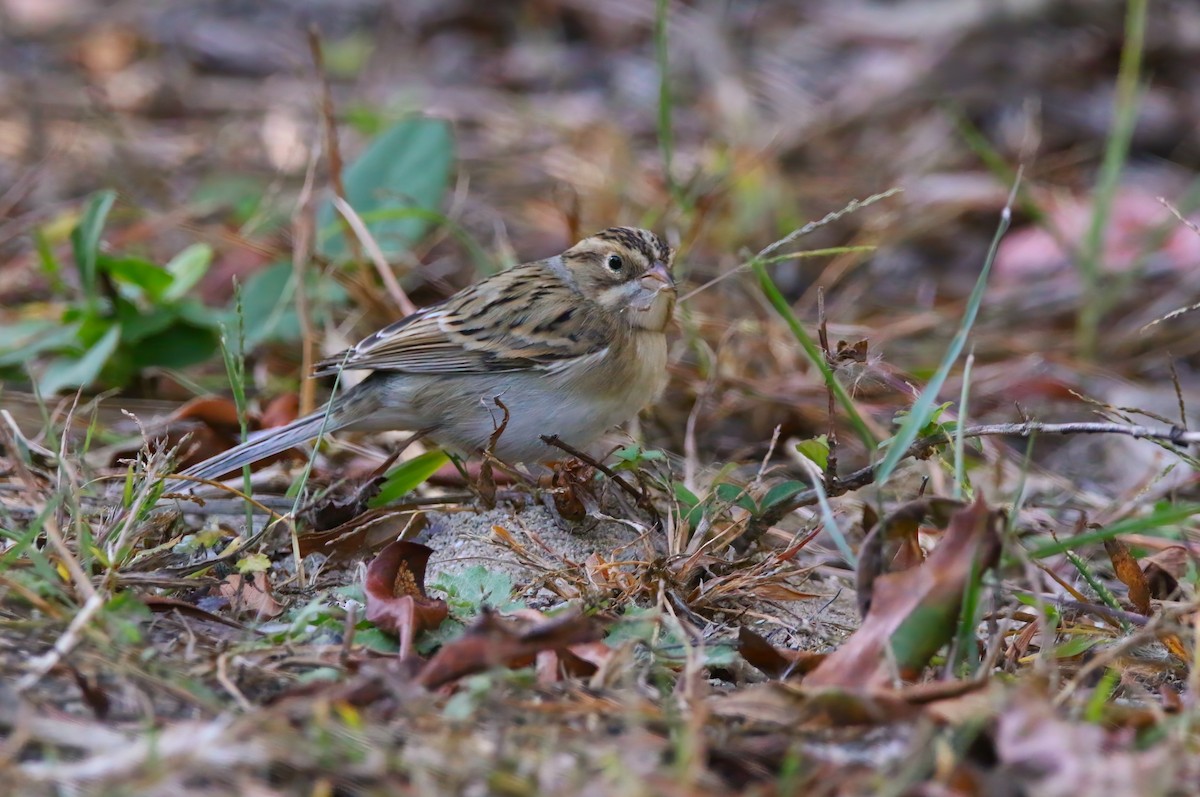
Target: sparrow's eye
[{"x": 615, "y": 262}]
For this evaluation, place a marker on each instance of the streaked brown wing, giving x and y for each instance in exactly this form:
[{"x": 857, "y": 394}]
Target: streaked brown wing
[{"x": 520, "y": 319}]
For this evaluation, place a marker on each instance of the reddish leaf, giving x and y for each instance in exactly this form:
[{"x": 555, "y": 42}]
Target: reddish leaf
[
  {"x": 492, "y": 642},
  {"x": 363, "y": 534},
  {"x": 161, "y": 604},
  {"x": 914, "y": 611},
  {"x": 572, "y": 482},
  {"x": 1130, "y": 575},
  {"x": 892, "y": 545},
  {"x": 776, "y": 663},
  {"x": 576, "y": 661},
  {"x": 282, "y": 410},
  {"x": 396, "y": 599}
]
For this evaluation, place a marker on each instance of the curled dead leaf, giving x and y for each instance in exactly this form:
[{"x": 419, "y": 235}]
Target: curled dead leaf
[
  {"x": 1163, "y": 571},
  {"x": 892, "y": 545},
  {"x": 914, "y": 612},
  {"x": 1130, "y": 574},
  {"x": 775, "y": 662},
  {"x": 494, "y": 642},
  {"x": 396, "y": 598}
]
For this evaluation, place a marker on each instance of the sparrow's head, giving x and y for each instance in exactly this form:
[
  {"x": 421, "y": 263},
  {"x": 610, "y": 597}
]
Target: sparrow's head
[{"x": 628, "y": 271}]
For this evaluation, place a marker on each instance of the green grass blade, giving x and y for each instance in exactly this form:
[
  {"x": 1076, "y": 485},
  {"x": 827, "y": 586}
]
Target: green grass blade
[
  {"x": 1155, "y": 521},
  {"x": 1116, "y": 152},
  {"x": 921, "y": 411},
  {"x": 815, "y": 355}
]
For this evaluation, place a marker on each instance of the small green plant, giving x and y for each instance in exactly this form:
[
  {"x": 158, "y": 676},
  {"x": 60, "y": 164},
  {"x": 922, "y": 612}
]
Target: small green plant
[{"x": 129, "y": 314}]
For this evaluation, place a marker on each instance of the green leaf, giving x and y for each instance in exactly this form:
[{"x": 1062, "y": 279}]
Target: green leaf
[
  {"x": 782, "y": 492},
  {"x": 406, "y": 167},
  {"x": 253, "y": 563},
  {"x": 405, "y": 478},
  {"x": 22, "y": 340},
  {"x": 81, "y": 371},
  {"x": 137, "y": 325},
  {"x": 198, "y": 314},
  {"x": 85, "y": 240},
  {"x": 469, "y": 591},
  {"x": 146, "y": 277},
  {"x": 1160, "y": 523},
  {"x": 816, "y": 449},
  {"x": 690, "y": 502},
  {"x": 186, "y": 269},
  {"x": 268, "y": 303},
  {"x": 179, "y": 346},
  {"x": 1077, "y": 645},
  {"x": 47, "y": 260},
  {"x": 736, "y": 494}
]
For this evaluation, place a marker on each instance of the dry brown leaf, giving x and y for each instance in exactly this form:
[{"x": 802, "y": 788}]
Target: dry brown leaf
[
  {"x": 794, "y": 705},
  {"x": 493, "y": 642},
  {"x": 1164, "y": 569},
  {"x": 362, "y": 534},
  {"x": 1129, "y": 574},
  {"x": 930, "y": 595},
  {"x": 1059, "y": 758},
  {"x": 250, "y": 596},
  {"x": 892, "y": 546},
  {"x": 776, "y": 663},
  {"x": 396, "y": 599}
]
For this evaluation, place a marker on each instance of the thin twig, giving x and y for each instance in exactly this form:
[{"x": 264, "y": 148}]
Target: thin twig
[
  {"x": 303, "y": 225},
  {"x": 643, "y": 501},
  {"x": 831, "y": 440},
  {"x": 332, "y": 150},
  {"x": 377, "y": 257}
]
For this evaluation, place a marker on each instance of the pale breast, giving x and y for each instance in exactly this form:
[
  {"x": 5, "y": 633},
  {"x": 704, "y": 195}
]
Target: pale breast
[{"x": 578, "y": 403}]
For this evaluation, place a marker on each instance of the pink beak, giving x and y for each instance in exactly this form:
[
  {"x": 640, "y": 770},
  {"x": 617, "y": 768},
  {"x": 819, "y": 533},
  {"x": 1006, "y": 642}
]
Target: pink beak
[{"x": 658, "y": 278}]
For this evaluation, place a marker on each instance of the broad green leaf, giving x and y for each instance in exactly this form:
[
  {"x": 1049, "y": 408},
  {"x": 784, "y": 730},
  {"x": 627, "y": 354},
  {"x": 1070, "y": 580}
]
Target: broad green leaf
[
  {"x": 782, "y": 492},
  {"x": 179, "y": 346},
  {"x": 268, "y": 303},
  {"x": 198, "y": 314},
  {"x": 405, "y": 478},
  {"x": 81, "y": 371},
  {"x": 693, "y": 510},
  {"x": 405, "y": 167},
  {"x": 469, "y": 591},
  {"x": 186, "y": 269},
  {"x": 145, "y": 277},
  {"x": 816, "y": 449},
  {"x": 21, "y": 341},
  {"x": 85, "y": 240},
  {"x": 735, "y": 494},
  {"x": 239, "y": 194},
  {"x": 137, "y": 325}
]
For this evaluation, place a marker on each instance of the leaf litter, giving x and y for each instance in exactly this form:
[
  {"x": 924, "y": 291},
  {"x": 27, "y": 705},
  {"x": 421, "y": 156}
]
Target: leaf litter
[{"x": 566, "y": 641}]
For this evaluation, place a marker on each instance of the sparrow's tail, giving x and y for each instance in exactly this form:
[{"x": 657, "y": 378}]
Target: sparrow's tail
[{"x": 269, "y": 441}]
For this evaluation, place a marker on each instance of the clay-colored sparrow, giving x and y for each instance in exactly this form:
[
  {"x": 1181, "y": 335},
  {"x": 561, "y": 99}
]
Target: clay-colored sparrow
[{"x": 572, "y": 345}]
